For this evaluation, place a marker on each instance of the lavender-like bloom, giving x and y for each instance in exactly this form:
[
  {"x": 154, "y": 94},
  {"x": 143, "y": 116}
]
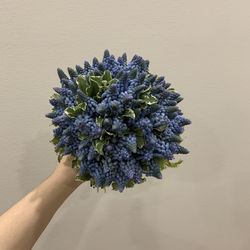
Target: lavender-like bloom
[{"x": 120, "y": 121}]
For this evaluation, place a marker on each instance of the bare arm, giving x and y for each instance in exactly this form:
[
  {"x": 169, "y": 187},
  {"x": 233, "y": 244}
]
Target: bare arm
[{"x": 22, "y": 224}]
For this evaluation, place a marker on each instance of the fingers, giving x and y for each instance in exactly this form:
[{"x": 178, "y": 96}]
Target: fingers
[{"x": 67, "y": 160}]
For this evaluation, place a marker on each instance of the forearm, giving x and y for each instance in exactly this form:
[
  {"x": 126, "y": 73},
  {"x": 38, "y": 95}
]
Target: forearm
[{"x": 22, "y": 224}]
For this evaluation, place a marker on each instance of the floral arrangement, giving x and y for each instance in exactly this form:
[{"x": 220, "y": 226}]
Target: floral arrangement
[{"x": 119, "y": 121}]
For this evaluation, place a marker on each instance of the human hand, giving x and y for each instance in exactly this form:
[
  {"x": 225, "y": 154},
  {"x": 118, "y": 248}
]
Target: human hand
[{"x": 65, "y": 171}]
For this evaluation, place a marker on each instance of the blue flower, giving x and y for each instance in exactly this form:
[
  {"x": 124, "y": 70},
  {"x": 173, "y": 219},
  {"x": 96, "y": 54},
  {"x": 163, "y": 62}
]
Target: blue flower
[{"x": 118, "y": 120}]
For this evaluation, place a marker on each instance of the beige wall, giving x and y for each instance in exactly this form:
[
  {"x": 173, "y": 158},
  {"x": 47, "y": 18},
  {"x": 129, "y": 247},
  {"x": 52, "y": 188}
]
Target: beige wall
[{"x": 203, "y": 48}]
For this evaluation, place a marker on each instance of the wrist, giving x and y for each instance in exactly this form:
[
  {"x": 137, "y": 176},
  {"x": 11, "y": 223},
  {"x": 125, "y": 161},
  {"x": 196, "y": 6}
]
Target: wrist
[{"x": 66, "y": 174}]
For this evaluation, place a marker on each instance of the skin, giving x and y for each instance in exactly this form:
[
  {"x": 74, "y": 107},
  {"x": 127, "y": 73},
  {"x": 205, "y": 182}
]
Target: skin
[{"x": 23, "y": 223}]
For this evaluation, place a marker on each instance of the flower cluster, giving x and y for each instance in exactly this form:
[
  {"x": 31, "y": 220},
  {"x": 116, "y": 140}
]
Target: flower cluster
[{"x": 119, "y": 121}]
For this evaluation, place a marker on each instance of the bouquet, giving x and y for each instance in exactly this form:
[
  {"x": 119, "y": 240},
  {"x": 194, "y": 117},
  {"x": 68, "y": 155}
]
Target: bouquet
[{"x": 119, "y": 121}]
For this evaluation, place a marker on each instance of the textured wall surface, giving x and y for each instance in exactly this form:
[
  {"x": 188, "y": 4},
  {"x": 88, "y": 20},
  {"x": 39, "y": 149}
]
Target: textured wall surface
[{"x": 203, "y": 48}]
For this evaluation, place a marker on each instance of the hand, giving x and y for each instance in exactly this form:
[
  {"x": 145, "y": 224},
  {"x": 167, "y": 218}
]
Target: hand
[
  {"x": 67, "y": 160},
  {"x": 66, "y": 172}
]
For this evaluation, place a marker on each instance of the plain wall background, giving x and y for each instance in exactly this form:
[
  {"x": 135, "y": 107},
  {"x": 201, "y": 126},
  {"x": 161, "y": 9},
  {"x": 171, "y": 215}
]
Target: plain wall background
[{"x": 203, "y": 48}]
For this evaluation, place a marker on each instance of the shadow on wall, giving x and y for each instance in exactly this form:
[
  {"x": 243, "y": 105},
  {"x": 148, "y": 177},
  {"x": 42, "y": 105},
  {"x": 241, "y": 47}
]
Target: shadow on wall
[
  {"x": 37, "y": 163},
  {"x": 145, "y": 236}
]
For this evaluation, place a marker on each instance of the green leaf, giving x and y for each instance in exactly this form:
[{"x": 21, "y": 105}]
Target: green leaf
[
  {"x": 55, "y": 140},
  {"x": 101, "y": 85},
  {"x": 59, "y": 157},
  {"x": 104, "y": 84},
  {"x": 137, "y": 111},
  {"x": 56, "y": 96},
  {"x": 82, "y": 178},
  {"x": 89, "y": 91},
  {"x": 106, "y": 135},
  {"x": 161, "y": 128},
  {"x": 79, "y": 178},
  {"x": 129, "y": 113},
  {"x": 107, "y": 75},
  {"x": 82, "y": 106},
  {"x": 112, "y": 81},
  {"x": 161, "y": 162},
  {"x": 99, "y": 95},
  {"x": 141, "y": 103},
  {"x": 140, "y": 138},
  {"x": 98, "y": 144},
  {"x": 149, "y": 99},
  {"x": 82, "y": 137},
  {"x": 92, "y": 182},
  {"x": 164, "y": 163},
  {"x": 94, "y": 87},
  {"x": 107, "y": 132},
  {"x": 82, "y": 83},
  {"x": 59, "y": 150},
  {"x": 75, "y": 110},
  {"x": 98, "y": 79},
  {"x": 99, "y": 120},
  {"x": 174, "y": 164},
  {"x": 130, "y": 183},
  {"x": 70, "y": 112},
  {"x": 146, "y": 90},
  {"x": 145, "y": 166},
  {"x": 75, "y": 163},
  {"x": 140, "y": 141},
  {"x": 171, "y": 89},
  {"x": 114, "y": 186},
  {"x": 139, "y": 132}
]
